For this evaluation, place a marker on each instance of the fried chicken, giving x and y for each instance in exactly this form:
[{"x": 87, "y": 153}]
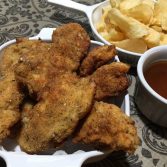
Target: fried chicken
[
  {"x": 96, "y": 58},
  {"x": 10, "y": 91},
  {"x": 37, "y": 66},
  {"x": 7, "y": 119},
  {"x": 50, "y": 69},
  {"x": 12, "y": 53},
  {"x": 64, "y": 101},
  {"x": 110, "y": 80},
  {"x": 62, "y": 98},
  {"x": 26, "y": 108},
  {"x": 108, "y": 127},
  {"x": 32, "y": 67},
  {"x": 72, "y": 41}
]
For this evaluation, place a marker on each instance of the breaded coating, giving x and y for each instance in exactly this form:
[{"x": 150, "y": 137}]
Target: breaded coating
[
  {"x": 10, "y": 93},
  {"x": 37, "y": 66},
  {"x": 108, "y": 127},
  {"x": 73, "y": 42},
  {"x": 26, "y": 108},
  {"x": 47, "y": 73},
  {"x": 7, "y": 119},
  {"x": 12, "y": 53},
  {"x": 32, "y": 67},
  {"x": 110, "y": 80},
  {"x": 96, "y": 58},
  {"x": 62, "y": 103}
]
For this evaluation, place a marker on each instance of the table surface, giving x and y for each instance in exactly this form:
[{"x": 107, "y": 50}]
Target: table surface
[{"x": 27, "y": 17}]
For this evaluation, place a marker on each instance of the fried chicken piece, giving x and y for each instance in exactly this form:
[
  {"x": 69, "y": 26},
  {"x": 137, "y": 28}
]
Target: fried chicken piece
[
  {"x": 96, "y": 58},
  {"x": 111, "y": 80},
  {"x": 63, "y": 102},
  {"x": 108, "y": 127},
  {"x": 7, "y": 119},
  {"x": 72, "y": 41},
  {"x": 10, "y": 93},
  {"x": 32, "y": 68},
  {"x": 37, "y": 67},
  {"x": 10, "y": 100},
  {"x": 26, "y": 109},
  {"x": 12, "y": 53}
]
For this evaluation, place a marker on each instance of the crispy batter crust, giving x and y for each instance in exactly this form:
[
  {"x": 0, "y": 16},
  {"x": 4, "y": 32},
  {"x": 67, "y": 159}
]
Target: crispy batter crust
[
  {"x": 64, "y": 101},
  {"x": 10, "y": 93},
  {"x": 108, "y": 127},
  {"x": 111, "y": 80},
  {"x": 96, "y": 58},
  {"x": 62, "y": 98}
]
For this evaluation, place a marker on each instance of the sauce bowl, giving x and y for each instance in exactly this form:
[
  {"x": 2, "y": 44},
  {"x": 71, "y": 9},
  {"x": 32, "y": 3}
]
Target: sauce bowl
[{"x": 150, "y": 103}]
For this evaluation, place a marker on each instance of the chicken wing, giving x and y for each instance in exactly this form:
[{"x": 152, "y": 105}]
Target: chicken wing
[
  {"x": 63, "y": 102},
  {"x": 96, "y": 58},
  {"x": 108, "y": 127},
  {"x": 110, "y": 80}
]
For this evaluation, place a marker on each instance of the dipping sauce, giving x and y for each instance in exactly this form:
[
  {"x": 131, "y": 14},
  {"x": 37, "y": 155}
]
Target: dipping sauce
[{"x": 156, "y": 77}]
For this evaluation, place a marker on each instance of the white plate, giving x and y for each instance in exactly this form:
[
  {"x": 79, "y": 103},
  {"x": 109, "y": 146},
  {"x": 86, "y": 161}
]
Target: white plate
[{"x": 69, "y": 155}]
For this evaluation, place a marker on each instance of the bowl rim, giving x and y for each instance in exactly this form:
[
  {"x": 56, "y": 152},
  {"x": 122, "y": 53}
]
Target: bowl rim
[{"x": 141, "y": 77}]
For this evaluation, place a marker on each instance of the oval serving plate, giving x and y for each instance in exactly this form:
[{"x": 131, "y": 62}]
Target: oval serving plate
[{"x": 67, "y": 156}]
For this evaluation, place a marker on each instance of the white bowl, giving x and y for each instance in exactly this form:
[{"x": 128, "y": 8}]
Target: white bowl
[
  {"x": 94, "y": 14},
  {"x": 150, "y": 103},
  {"x": 69, "y": 155}
]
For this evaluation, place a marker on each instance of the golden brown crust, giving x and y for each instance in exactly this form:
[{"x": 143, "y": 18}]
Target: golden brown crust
[
  {"x": 10, "y": 93},
  {"x": 73, "y": 41},
  {"x": 65, "y": 53},
  {"x": 96, "y": 58},
  {"x": 111, "y": 80},
  {"x": 62, "y": 98},
  {"x": 64, "y": 101},
  {"x": 48, "y": 73},
  {"x": 7, "y": 119},
  {"x": 108, "y": 127},
  {"x": 32, "y": 67}
]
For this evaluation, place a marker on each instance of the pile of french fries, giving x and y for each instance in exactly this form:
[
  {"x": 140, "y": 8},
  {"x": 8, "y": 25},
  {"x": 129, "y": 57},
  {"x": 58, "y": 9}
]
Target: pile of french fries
[{"x": 134, "y": 25}]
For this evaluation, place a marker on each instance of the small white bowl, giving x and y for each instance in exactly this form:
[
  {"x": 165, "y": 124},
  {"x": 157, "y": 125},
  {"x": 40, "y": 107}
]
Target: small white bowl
[{"x": 150, "y": 103}]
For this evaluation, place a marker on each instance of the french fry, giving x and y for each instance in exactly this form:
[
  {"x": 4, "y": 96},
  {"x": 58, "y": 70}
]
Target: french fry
[
  {"x": 134, "y": 45},
  {"x": 144, "y": 16},
  {"x": 128, "y": 4},
  {"x": 135, "y": 25},
  {"x": 153, "y": 38},
  {"x": 129, "y": 26}
]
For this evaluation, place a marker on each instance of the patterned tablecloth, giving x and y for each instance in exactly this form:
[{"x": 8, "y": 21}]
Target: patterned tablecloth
[{"x": 27, "y": 17}]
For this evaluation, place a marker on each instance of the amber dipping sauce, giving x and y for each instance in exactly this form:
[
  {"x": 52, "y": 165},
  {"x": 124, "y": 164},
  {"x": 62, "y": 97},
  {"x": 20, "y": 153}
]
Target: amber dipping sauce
[{"x": 156, "y": 77}]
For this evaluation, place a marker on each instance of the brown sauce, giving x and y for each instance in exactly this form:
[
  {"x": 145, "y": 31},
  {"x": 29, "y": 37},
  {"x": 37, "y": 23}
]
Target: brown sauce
[{"x": 156, "y": 77}]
